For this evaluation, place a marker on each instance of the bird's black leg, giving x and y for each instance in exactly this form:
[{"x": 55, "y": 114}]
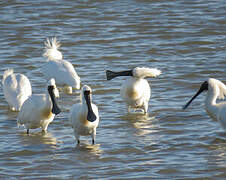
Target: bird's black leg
[{"x": 78, "y": 141}]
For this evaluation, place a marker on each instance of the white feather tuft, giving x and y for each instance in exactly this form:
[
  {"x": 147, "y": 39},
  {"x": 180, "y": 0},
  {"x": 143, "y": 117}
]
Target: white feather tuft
[
  {"x": 6, "y": 74},
  {"x": 146, "y": 72},
  {"x": 218, "y": 87},
  {"x": 51, "y": 49}
]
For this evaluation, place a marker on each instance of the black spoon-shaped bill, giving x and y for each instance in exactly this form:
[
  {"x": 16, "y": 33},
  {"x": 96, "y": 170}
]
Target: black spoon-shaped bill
[
  {"x": 55, "y": 109},
  {"x": 91, "y": 115},
  {"x": 203, "y": 87},
  {"x": 110, "y": 74}
]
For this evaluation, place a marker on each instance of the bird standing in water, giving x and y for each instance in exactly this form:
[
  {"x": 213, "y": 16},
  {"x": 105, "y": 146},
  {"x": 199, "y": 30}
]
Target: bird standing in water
[
  {"x": 84, "y": 116},
  {"x": 61, "y": 70},
  {"x": 215, "y": 90},
  {"x": 135, "y": 90},
  {"x": 39, "y": 109},
  {"x": 16, "y": 89}
]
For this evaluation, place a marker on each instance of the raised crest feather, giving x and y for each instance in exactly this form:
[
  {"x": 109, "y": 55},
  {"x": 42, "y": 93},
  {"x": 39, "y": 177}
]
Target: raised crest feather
[
  {"x": 51, "y": 49},
  {"x": 142, "y": 72}
]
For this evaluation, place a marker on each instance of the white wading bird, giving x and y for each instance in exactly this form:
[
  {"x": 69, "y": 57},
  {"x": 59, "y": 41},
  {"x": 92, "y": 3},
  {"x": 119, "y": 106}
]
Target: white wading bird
[
  {"x": 16, "y": 89},
  {"x": 39, "y": 109},
  {"x": 84, "y": 116},
  {"x": 135, "y": 91},
  {"x": 61, "y": 70},
  {"x": 215, "y": 90}
]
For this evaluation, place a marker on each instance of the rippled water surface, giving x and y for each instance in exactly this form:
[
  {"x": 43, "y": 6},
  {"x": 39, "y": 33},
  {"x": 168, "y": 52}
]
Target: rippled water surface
[{"x": 185, "y": 39}]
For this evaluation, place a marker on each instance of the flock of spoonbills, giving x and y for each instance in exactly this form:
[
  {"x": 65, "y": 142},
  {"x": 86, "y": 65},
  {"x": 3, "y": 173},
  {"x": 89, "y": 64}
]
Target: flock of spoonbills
[{"x": 39, "y": 110}]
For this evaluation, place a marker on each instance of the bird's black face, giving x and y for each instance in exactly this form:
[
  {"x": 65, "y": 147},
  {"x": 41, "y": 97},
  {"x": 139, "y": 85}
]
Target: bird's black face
[
  {"x": 86, "y": 93},
  {"x": 204, "y": 87},
  {"x": 87, "y": 97},
  {"x": 50, "y": 88}
]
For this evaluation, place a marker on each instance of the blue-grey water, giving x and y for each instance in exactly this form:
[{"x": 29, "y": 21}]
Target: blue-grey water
[{"x": 186, "y": 40}]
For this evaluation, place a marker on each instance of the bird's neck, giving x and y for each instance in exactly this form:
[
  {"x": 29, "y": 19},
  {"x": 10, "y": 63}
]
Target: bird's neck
[{"x": 211, "y": 105}]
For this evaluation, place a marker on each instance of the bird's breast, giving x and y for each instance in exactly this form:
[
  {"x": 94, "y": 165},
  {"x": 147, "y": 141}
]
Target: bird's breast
[
  {"x": 132, "y": 93},
  {"x": 83, "y": 119},
  {"x": 46, "y": 114}
]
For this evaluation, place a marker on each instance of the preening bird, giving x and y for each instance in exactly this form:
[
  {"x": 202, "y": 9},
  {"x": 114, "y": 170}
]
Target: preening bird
[
  {"x": 39, "y": 109},
  {"x": 215, "y": 90},
  {"x": 16, "y": 89},
  {"x": 135, "y": 90},
  {"x": 84, "y": 116},
  {"x": 61, "y": 70}
]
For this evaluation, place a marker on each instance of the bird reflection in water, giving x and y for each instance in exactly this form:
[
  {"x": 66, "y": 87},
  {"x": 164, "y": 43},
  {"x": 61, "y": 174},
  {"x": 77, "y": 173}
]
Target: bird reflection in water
[
  {"x": 217, "y": 150},
  {"x": 87, "y": 149},
  {"x": 40, "y": 138},
  {"x": 144, "y": 123}
]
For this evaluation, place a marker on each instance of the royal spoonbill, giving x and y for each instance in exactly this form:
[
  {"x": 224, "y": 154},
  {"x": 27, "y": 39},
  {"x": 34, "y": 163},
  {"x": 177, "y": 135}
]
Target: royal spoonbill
[
  {"x": 61, "y": 70},
  {"x": 16, "y": 89},
  {"x": 135, "y": 90},
  {"x": 84, "y": 116},
  {"x": 39, "y": 109},
  {"x": 215, "y": 90}
]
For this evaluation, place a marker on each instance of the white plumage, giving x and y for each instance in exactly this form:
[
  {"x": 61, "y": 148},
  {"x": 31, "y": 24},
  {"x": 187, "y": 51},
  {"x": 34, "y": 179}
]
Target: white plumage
[
  {"x": 52, "y": 52},
  {"x": 143, "y": 72},
  {"x": 39, "y": 109},
  {"x": 135, "y": 90},
  {"x": 16, "y": 89},
  {"x": 215, "y": 90},
  {"x": 84, "y": 116},
  {"x": 61, "y": 70}
]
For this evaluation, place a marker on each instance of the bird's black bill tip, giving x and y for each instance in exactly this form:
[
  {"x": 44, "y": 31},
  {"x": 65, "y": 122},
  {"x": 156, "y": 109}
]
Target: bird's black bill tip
[
  {"x": 110, "y": 75},
  {"x": 185, "y": 106},
  {"x": 91, "y": 117},
  {"x": 189, "y": 102},
  {"x": 56, "y": 110}
]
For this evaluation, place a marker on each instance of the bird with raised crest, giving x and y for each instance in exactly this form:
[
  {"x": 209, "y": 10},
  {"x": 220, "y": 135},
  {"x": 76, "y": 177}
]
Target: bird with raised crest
[{"x": 61, "y": 70}]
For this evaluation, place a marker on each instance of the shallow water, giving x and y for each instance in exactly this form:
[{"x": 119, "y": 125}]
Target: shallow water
[{"x": 185, "y": 39}]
